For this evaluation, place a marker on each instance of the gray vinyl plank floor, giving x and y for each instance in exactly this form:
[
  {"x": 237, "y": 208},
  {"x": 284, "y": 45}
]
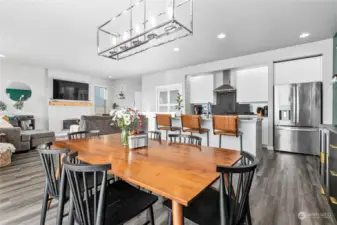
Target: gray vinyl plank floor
[{"x": 284, "y": 185}]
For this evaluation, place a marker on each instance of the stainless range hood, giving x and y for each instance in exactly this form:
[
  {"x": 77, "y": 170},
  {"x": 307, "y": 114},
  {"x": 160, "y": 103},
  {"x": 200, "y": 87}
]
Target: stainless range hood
[{"x": 226, "y": 84}]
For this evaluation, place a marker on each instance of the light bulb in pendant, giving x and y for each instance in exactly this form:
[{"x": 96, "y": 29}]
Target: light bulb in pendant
[
  {"x": 153, "y": 21},
  {"x": 114, "y": 40},
  {"x": 137, "y": 29},
  {"x": 169, "y": 8},
  {"x": 125, "y": 36}
]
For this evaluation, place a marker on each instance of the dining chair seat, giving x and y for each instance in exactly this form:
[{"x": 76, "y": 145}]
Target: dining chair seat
[
  {"x": 200, "y": 131},
  {"x": 224, "y": 133},
  {"x": 204, "y": 210},
  {"x": 169, "y": 128},
  {"x": 124, "y": 202}
]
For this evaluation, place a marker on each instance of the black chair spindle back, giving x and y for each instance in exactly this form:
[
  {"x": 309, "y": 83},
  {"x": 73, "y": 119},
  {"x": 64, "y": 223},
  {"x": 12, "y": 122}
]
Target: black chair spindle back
[
  {"x": 83, "y": 205},
  {"x": 235, "y": 209},
  {"x": 78, "y": 135},
  {"x": 185, "y": 139},
  {"x": 51, "y": 162},
  {"x": 154, "y": 135}
]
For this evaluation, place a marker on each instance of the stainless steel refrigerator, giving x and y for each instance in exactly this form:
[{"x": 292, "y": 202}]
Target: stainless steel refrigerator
[{"x": 297, "y": 114}]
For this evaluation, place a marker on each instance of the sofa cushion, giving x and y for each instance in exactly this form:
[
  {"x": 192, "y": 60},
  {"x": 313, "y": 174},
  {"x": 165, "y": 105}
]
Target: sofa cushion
[
  {"x": 35, "y": 134},
  {"x": 101, "y": 123},
  {"x": 24, "y": 146},
  {"x": 38, "y": 141},
  {"x": 25, "y": 137}
]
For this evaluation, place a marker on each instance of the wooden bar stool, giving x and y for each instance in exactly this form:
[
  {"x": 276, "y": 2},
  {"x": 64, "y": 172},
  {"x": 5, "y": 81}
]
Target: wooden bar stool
[
  {"x": 164, "y": 122},
  {"x": 227, "y": 125},
  {"x": 192, "y": 124}
]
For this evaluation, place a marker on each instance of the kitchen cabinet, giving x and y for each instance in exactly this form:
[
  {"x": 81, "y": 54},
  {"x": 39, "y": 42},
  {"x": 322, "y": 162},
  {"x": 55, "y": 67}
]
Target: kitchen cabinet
[
  {"x": 298, "y": 71},
  {"x": 328, "y": 166},
  {"x": 324, "y": 149},
  {"x": 201, "y": 89},
  {"x": 252, "y": 85}
]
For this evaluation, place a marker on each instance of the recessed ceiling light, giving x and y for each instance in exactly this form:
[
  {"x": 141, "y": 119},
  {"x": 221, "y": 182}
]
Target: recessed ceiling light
[
  {"x": 110, "y": 77},
  {"x": 2, "y": 56},
  {"x": 221, "y": 36},
  {"x": 176, "y": 49},
  {"x": 304, "y": 35}
]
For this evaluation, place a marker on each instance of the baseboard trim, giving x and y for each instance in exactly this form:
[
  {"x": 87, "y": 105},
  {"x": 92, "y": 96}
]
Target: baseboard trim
[{"x": 271, "y": 148}]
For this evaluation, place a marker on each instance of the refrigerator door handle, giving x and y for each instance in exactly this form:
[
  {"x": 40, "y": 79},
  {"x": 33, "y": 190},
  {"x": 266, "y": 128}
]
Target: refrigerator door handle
[
  {"x": 297, "y": 106},
  {"x": 298, "y": 128},
  {"x": 294, "y": 116}
]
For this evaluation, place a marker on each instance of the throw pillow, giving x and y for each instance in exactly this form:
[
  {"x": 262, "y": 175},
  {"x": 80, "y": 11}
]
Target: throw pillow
[
  {"x": 4, "y": 122},
  {"x": 25, "y": 125}
]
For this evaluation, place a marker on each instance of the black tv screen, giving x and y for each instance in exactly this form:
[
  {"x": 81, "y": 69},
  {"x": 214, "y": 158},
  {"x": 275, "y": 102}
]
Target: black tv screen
[{"x": 69, "y": 90}]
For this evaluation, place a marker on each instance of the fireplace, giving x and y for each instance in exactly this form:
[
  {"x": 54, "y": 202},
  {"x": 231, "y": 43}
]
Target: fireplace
[{"x": 68, "y": 122}]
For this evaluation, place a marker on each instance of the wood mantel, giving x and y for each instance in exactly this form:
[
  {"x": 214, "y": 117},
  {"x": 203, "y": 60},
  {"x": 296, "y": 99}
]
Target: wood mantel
[{"x": 70, "y": 103}]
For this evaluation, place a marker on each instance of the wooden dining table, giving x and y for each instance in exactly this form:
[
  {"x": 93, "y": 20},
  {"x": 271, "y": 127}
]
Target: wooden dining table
[{"x": 177, "y": 172}]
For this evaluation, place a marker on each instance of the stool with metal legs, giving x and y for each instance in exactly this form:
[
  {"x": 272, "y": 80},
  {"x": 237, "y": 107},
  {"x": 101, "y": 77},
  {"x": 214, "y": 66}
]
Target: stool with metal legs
[
  {"x": 192, "y": 124},
  {"x": 226, "y": 125},
  {"x": 164, "y": 122}
]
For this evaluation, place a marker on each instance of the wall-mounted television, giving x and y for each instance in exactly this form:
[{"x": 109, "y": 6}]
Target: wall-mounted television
[{"x": 69, "y": 90}]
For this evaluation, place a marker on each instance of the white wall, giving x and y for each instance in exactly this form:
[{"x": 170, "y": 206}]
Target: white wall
[
  {"x": 59, "y": 113},
  {"x": 130, "y": 87},
  {"x": 40, "y": 81},
  {"x": 35, "y": 78},
  {"x": 150, "y": 81}
]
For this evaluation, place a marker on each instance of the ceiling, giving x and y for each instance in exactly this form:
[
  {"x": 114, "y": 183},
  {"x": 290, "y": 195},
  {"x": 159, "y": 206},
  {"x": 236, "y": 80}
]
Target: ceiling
[{"x": 61, "y": 34}]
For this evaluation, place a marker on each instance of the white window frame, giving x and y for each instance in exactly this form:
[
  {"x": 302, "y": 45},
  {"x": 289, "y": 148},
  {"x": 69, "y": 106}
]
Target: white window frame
[{"x": 167, "y": 88}]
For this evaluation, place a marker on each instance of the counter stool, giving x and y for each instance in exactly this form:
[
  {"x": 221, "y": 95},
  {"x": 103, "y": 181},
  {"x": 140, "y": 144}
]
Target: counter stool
[
  {"x": 164, "y": 122},
  {"x": 227, "y": 125},
  {"x": 192, "y": 124}
]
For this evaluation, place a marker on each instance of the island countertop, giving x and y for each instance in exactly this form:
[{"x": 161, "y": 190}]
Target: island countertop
[{"x": 330, "y": 127}]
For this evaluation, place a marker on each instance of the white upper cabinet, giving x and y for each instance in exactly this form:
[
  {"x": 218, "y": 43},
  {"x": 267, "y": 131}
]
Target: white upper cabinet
[
  {"x": 201, "y": 88},
  {"x": 252, "y": 85},
  {"x": 298, "y": 71}
]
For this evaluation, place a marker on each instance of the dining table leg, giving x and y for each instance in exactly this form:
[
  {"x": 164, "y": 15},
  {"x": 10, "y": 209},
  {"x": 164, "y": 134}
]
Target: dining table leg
[{"x": 177, "y": 213}]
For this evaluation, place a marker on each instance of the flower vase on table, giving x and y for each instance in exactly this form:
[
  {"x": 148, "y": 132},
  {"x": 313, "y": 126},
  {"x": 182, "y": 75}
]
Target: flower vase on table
[
  {"x": 127, "y": 120},
  {"x": 125, "y": 137}
]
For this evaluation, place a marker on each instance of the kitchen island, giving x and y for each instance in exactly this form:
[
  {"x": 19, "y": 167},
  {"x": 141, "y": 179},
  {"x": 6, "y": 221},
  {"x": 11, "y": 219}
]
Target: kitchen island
[{"x": 251, "y": 127}]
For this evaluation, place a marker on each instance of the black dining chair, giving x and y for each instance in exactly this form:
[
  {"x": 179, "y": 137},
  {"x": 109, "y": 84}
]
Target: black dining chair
[
  {"x": 185, "y": 139},
  {"x": 216, "y": 207},
  {"x": 116, "y": 203},
  {"x": 154, "y": 135},
  {"x": 78, "y": 135},
  {"x": 51, "y": 162}
]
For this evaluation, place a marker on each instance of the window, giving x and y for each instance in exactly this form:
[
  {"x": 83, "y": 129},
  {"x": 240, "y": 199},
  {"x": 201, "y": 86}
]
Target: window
[
  {"x": 101, "y": 95},
  {"x": 166, "y": 97}
]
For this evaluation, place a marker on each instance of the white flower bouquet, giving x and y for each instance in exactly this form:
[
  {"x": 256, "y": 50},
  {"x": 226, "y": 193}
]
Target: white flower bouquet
[{"x": 127, "y": 120}]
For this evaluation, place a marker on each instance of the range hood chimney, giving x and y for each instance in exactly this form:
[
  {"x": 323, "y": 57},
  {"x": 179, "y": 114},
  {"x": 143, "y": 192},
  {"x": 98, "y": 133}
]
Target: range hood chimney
[{"x": 226, "y": 85}]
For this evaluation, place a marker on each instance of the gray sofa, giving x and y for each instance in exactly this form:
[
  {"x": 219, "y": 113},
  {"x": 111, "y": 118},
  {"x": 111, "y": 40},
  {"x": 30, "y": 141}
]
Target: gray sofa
[
  {"x": 28, "y": 139},
  {"x": 103, "y": 124}
]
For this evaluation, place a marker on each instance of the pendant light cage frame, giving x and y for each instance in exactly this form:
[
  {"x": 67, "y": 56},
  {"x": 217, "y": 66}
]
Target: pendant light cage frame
[{"x": 117, "y": 43}]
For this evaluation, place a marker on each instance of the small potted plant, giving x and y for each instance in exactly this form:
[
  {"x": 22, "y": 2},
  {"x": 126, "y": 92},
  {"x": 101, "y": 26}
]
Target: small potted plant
[
  {"x": 20, "y": 103},
  {"x": 179, "y": 107},
  {"x": 3, "y": 106}
]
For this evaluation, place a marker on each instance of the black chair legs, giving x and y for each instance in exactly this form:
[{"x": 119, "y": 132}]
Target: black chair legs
[
  {"x": 207, "y": 138},
  {"x": 248, "y": 217},
  {"x": 44, "y": 205},
  {"x": 71, "y": 211},
  {"x": 169, "y": 218},
  {"x": 150, "y": 215}
]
